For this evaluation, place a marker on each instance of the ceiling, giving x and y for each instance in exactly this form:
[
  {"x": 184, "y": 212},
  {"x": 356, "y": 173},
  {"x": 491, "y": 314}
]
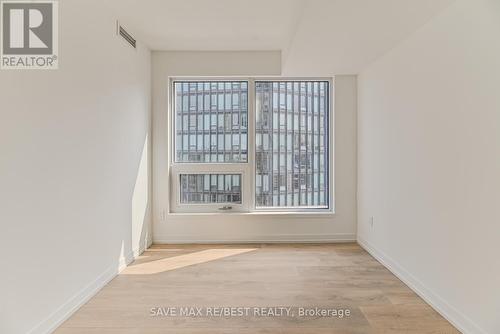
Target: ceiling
[
  {"x": 327, "y": 36},
  {"x": 210, "y": 24}
]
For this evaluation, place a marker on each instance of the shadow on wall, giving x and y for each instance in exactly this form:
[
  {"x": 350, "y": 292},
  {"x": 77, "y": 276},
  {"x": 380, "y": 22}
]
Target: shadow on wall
[
  {"x": 140, "y": 221},
  {"x": 140, "y": 202}
]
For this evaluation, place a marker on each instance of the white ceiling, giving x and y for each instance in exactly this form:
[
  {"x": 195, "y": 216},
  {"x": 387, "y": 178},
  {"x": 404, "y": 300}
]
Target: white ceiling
[
  {"x": 327, "y": 36},
  {"x": 210, "y": 24}
]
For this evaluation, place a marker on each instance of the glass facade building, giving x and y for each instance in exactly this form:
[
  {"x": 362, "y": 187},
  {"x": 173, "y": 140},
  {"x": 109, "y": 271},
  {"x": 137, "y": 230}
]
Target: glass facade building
[
  {"x": 211, "y": 121},
  {"x": 210, "y": 188},
  {"x": 291, "y": 141},
  {"x": 291, "y": 144}
]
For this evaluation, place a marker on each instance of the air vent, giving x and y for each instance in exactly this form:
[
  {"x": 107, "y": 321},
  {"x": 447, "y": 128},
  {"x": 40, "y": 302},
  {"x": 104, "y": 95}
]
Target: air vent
[{"x": 126, "y": 36}]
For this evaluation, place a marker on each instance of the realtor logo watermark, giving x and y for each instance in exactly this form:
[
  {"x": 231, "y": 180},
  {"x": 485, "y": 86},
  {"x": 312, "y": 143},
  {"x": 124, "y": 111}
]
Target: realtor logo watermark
[{"x": 29, "y": 34}]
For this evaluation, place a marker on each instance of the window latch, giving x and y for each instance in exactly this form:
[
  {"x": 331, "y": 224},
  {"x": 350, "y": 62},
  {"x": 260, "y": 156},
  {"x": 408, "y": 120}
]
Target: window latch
[{"x": 225, "y": 207}]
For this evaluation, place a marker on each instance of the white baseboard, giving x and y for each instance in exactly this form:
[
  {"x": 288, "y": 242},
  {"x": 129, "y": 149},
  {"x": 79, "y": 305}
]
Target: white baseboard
[
  {"x": 282, "y": 238},
  {"x": 53, "y": 321},
  {"x": 455, "y": 317}
]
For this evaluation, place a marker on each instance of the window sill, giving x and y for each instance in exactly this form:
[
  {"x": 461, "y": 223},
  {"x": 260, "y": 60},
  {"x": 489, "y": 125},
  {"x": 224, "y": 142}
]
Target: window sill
[{"x": 302, "y": 214}]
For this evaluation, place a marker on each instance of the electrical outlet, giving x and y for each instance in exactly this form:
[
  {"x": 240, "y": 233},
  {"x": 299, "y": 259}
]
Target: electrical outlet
[{"x": 372, "y": 222}]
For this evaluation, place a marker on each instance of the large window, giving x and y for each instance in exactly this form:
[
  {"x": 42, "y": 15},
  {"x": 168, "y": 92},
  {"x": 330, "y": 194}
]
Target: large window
[{"x": 251, "y": 145}]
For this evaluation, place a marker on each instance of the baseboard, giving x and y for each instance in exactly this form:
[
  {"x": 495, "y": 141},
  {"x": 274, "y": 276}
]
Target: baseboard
[
  {"x": 455, "y": 317},
  {"x": 282, "y": 238},
  {"x": 53, "y": 321}
]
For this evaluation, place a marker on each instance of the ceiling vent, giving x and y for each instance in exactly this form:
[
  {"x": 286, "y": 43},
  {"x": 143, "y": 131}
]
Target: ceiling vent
[{"x": 125, "y": 35}]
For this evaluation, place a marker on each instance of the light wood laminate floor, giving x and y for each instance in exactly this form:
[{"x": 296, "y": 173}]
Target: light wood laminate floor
[{"x": 327, "y": 276}]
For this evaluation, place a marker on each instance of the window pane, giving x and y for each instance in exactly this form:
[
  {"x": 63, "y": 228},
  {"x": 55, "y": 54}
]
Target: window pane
[
  {"x": 210, "y": 188},
  {"x": 211, "y": 121},
  {"x": 291, "y": 149}
]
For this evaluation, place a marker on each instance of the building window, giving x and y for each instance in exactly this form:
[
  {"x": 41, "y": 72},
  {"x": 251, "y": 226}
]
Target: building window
[{"x": 281, "y": 162}]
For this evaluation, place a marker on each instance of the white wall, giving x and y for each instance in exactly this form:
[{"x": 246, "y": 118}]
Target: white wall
[
  {"x": 429, "y": 162},
  {"x": 74, "y": 170},
  {"x": 231, "y": 227}
]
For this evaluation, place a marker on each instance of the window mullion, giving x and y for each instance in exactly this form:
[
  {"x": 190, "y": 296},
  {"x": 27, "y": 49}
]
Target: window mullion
[
  {"x": 278, "y": 127},
  {"x": 300, "y": 143},
  {"x": 326, "y": 148},
  {"x": 181, "y": 116},
  {"x": 313, "y": 140},
  {"x": 217, "y": 123},
  {"x": 240, "y": 123},
  {"x": 286, "y": 144},
  {"x": 271, "y": 147},
  {"x": 188, "y": 130},
  {"x": 249, "y": 201},
  {"x": 318, "y": 165},
  {"x": 196, "y": 120},
  {"x": 224, "y": 113},
  {"x": 306, "y": 121}
]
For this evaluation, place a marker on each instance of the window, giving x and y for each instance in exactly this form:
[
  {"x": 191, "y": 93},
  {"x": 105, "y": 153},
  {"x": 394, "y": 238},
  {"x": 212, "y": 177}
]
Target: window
[
  {"x": 210, "y": 188},
  {"x": 211, "y": 121},
  {"x": 251, "y": 145},
  {"x": 291, "y": 148}
]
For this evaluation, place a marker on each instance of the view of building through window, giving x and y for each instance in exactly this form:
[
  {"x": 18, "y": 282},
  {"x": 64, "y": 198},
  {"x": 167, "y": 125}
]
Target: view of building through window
[
  {"x": 210, "y": 188},
  {"x": 291, "y": 143},
  {"x": 211, "y": 121}
]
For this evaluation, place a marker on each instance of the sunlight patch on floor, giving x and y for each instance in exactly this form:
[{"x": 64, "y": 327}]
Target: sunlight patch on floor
[{"x": 181, "y": 261}]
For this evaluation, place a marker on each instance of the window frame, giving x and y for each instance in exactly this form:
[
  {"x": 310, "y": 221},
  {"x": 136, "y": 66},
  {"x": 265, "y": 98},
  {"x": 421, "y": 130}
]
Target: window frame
[{"x": 248, "y": 168}]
